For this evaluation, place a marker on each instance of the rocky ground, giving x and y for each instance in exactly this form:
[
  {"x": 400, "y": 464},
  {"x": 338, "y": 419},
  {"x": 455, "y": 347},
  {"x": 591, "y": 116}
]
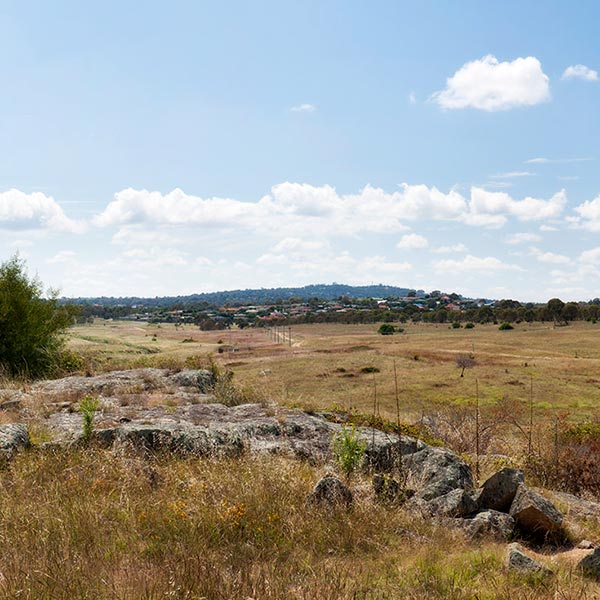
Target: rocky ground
[{"x": 160, "y": 410}]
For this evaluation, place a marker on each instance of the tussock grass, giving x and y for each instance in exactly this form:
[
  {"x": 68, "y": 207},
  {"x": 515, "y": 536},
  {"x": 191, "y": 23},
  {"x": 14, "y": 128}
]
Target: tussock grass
[{"x": 95, "y": 523}]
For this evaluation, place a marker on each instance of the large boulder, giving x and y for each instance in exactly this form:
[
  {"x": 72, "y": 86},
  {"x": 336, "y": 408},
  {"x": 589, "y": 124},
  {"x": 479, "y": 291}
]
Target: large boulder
[
  {"x": 13, "y": 437},
  {"x": 534, "y": 515},
  {"x": 199, "y": 379},
  {"x": 331, "y": 491},
  {"x": 517, "y": 560},
  {"x": 590, "y": 564},
  {"x": 499, "y": 491},
  {"x": 457, "y": 503},
  {"x": 434, "y": 472}
]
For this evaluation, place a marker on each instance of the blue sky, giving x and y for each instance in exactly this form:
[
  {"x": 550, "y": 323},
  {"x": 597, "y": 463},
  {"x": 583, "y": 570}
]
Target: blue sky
[{"x": 156, "y": 149}]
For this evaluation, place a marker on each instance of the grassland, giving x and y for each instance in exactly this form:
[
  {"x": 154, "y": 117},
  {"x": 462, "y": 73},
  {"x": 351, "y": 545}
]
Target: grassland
[
  {"x": 559, "y": 368},
  {"x": 93, "y": 523}
]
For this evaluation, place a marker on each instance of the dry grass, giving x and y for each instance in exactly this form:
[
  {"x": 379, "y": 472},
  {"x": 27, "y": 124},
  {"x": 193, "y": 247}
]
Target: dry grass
[
  {"x": 107, "y": 524},
  {"x": 324, "y": 365}
]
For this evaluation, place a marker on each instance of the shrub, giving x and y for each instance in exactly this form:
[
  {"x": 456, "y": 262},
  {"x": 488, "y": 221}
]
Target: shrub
[
  {"x": 31, "y": 325},
  {"x": 88, "y": 407},
  {"x": 348, "y": 450},
  {"x": 386, "y": 329},
  {"x": 469, "y": 325},
  {"x": 456, "y": 325},
  {"x": 505, "y": 326}
]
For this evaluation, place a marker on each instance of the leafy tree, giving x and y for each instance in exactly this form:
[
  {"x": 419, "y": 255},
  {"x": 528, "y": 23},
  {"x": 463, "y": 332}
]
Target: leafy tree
[
  {"x": 555, "y": 307},
  {"x": 31, "y": 325}
]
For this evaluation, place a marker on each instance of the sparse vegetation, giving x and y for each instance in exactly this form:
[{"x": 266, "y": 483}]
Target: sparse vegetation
[
  {"x": 505, "y": 326},
  {"x": 348, "y": 450},
  {"x": 88, "y": 408}
]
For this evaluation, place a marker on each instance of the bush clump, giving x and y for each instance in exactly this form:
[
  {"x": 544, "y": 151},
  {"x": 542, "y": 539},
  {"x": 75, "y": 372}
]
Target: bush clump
[
  {"x": 386, "y": 329},
  {"x": 505, "y": 326},
  {"x": 32, "y": 325}
]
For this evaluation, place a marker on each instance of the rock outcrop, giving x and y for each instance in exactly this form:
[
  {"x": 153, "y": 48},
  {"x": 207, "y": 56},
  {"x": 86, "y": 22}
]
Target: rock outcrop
[{"x": 534, "y": 515}]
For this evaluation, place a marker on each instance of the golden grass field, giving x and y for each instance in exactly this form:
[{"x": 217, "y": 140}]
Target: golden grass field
[
  {"x": 558, "y": 367},
  {"x": 93, "y": 523}
]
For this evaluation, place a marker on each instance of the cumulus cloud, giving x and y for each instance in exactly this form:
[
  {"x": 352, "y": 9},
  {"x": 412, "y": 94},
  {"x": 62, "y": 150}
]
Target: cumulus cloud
[
  {"x": 300, "y": 210},
  {"x": 490, "y": 85},
  {"x": 521, "y": 238},
  {"x": 549, "y": 257},
  {"x": 454, "y": 248},
  {"x": 21, "y": 211},
  {"x": 63, "y": 256},
  {"x": 488, "y": 264},
  {"x": 580, "y": 72},
  {"x": 492, "y": 208},
  {"x": 589, "y": 211},
  {"x": 304, "y": 108},
  {"x": 412, "y": 241}
]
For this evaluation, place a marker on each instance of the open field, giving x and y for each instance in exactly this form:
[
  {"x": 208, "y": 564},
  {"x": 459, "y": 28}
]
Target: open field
[{"x": 559, "y": 368}]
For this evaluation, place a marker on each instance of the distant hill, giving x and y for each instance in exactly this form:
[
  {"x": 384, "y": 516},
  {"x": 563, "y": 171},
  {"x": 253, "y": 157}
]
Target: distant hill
[{"x": 259, "y": 296}]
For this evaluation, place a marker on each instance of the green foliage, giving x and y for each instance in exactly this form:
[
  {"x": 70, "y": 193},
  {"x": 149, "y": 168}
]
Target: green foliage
[
  {"x": 31, "y": 326},
  {"x": 469, "y": 325},
  {"x": 456, "y": 325},
  {"x": 386, "y": 329},
  {"x": 348, "y": 450},
  {"x": 505, "y": 326},
  {"x": 88, "y": 408}
]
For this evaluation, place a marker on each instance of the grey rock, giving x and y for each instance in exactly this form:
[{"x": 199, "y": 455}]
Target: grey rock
[
  {"x": 13, "y": 437},
  {"x": 457, "y": 503},
  {"x": 590, "y": 564},
  {"x": 489, "y": 523},
  {"x": 388, "y": 489},
  {"x": 585, "y": 545},
  {"x": 534, "y": 515},
  {"x": 200, "y": 379},
  {"x": 331, "y": 491},
  {"x": 517, "y": 560},
  {"x": 499, "y": 491},
  {"x": 436, "y": 471}
]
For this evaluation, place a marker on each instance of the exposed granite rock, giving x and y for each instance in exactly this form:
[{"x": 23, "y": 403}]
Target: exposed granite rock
[{"x": 499, "y": 491}]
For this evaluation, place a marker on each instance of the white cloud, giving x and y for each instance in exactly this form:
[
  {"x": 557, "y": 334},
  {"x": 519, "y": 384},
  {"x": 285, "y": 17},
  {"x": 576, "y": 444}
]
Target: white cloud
[
  {"x": 513, "y": 174},
  {"x": 412, "y": 98},
  {"x": 304, "y": 108},
  {"x": 21, "y": 211},
  {"x": 472, "y": 263},
  {"x": 548, "y": 228},
  {"x": 487, "y": 84},
  {"x": 412, "y": 241},
  {"x": 591, "y": 256},
  {"x": 549, "y": 257},
  {"x": 590, "y": 213},
  {"x": 521, "y": 238},
  {"x": 580, "y": 72},
  {"x": 540, "y": 160},
  {"x": 63, "y": 256},
  {"x": 454, "y": 248},
  {"x": 491, "y": 208}
]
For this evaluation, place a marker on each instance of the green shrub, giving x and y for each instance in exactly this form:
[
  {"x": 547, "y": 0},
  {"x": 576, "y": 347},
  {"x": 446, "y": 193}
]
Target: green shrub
[
  {"x": 31, "y": 325},
  {"x": 456, "y": 325},
  {"x": 348, "y": 450},
  {"x": 505, "y": 326},
  {"x": 469, "y": 325},
  {"x": 88, "y": 407},
  {"x": 386, "y": 329}
]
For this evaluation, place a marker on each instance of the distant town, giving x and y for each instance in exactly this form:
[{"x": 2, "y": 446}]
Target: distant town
[{"x": 357, "y": 304}]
